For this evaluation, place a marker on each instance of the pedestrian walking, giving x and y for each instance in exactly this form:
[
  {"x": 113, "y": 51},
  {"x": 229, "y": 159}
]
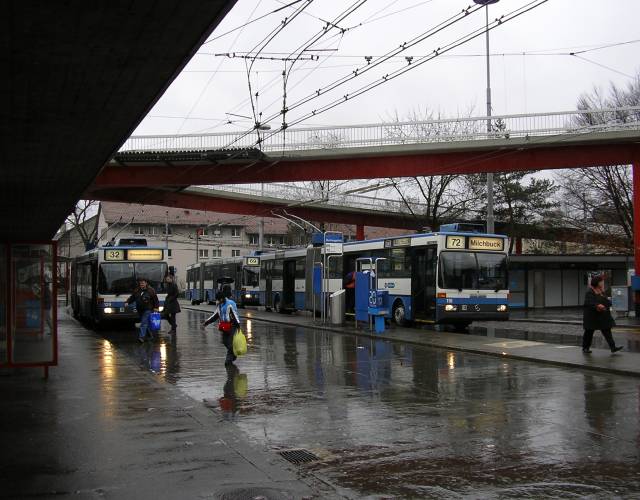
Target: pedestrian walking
[
  {"x": 228, "y": 323},
  {"x": 171, "y": 305},
  {"x": 597, "y": 315},
  {"x": 146, "y": 301}
]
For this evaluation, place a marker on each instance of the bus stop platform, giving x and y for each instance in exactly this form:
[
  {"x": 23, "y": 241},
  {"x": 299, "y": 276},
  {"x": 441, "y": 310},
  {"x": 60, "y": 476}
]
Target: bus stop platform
[
  {"x": 565, "y": 315},
  {"x": 100, "y": 427},
  {"x": 571, "y": 356}
]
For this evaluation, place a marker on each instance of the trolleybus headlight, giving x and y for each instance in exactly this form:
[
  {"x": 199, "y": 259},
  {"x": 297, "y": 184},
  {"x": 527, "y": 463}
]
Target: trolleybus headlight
[
  {"x": 502, "y": 308},
  {"x": 247, "y": 295},
  {"x": 161, "y": 308},
  {"x": 108, "y": 310},
  {"x": 450, "y": 307}
]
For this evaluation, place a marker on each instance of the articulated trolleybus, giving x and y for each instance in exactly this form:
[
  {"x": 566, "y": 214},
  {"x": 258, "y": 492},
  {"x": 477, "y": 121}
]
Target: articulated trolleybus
[
  {"x": 103, "y": 279},
  {"x": 237, "y": 277}
]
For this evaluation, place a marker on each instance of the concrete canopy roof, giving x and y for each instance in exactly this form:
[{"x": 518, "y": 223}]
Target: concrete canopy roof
[{"x": 78, "y": 78}]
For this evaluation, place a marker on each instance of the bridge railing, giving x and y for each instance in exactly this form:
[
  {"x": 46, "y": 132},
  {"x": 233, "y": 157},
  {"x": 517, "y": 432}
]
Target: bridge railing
[
  {"x": 313, "y": 197},
  {"x": 398, "y": 133}
]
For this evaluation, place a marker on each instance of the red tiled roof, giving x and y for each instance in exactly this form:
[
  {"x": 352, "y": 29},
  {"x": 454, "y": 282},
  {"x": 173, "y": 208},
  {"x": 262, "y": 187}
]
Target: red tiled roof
[{"x": 153, "y": 214}]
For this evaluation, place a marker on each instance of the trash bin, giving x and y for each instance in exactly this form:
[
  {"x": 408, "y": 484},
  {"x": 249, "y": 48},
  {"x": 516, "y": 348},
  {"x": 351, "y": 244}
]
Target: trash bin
[{"x": 337, "y": 307}]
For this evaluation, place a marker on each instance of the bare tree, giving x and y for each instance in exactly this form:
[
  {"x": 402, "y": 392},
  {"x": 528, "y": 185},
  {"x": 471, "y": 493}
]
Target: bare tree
[
  {"x": 433, "y": 200},
  {"x": 84, "y": 219},
  {"x": 599, "y": 200}
]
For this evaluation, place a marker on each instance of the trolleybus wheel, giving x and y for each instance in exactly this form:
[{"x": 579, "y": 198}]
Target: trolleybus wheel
[{"x": 399, "y": 314}]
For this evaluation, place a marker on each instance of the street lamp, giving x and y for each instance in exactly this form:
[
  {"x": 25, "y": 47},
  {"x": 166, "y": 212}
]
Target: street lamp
[{"x": 490, "y": 220}]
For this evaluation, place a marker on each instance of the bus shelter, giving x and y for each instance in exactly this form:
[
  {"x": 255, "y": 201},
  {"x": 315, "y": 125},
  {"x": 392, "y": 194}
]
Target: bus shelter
[{"x": 28, "y": 291}]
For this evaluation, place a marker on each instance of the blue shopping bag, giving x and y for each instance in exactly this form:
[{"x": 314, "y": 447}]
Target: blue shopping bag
[{"x": 154, "y": 321}]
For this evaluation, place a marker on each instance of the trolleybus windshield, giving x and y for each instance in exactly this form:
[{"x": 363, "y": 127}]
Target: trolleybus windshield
[
  {"x": 473, "y": 270},
  {"x": 120, "y": 277}
]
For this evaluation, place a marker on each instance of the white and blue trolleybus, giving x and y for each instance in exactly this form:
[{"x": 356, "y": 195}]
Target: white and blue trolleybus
[
  {"x": 102, "y": 280},
  {"x": 454, "y": 276}
]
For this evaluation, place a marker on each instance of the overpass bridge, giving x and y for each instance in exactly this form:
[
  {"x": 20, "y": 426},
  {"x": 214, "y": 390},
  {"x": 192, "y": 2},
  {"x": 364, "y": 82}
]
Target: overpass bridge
[
  {"x": 160, "y": 169},
  {"x": 519, "y": 142}
]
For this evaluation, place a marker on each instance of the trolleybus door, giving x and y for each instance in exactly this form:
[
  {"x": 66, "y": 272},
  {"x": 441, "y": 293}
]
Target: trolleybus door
[
  {"x": 289, "y": 284},
  {"x": 423, "y": 281},
  {"x": 268, "y": 287}
]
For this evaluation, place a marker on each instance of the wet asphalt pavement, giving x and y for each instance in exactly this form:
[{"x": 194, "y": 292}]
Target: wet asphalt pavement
[{"x": 392, "y": 420}]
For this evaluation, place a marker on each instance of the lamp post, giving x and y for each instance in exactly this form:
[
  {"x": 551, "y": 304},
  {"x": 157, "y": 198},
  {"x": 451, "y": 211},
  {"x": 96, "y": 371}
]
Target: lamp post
[
  {"x": 261, "y": 126},
  {"x": 490, "y": 219}
]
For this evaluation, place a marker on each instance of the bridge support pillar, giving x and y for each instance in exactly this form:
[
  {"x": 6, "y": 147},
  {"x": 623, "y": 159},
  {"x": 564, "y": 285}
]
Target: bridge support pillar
[
  {"x": 360, "y": 233},
  {"x": 518, "y": 246},
  {"x": 636, "y": 231}
]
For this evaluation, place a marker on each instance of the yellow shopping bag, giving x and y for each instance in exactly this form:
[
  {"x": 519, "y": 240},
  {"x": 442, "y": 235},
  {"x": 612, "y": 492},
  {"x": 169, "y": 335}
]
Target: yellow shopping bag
[
  {"x": 239, "y": 343},
  {"x": 240, "y": 385}
]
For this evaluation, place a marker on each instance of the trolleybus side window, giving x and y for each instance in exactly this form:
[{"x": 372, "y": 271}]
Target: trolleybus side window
[
  {"x": 208, "y": 272},
  {"x": 301, "y": 264},
  {"x": 276, "y": 272},
  {"x": 398, "y": 264}
]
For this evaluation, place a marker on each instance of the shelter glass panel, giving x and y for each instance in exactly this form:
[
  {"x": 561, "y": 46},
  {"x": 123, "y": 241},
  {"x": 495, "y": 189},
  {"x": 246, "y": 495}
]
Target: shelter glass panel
[{"x": 33, "y": 329}]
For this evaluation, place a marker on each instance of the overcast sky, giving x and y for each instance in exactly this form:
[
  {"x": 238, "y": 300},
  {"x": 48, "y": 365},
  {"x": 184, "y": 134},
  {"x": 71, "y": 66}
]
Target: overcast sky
[{"x": 545, "y": 78}]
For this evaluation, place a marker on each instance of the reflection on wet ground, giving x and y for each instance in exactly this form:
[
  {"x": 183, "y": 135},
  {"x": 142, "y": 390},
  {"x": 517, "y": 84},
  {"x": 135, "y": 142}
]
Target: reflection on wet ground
[{"x": 394, "y": 419}]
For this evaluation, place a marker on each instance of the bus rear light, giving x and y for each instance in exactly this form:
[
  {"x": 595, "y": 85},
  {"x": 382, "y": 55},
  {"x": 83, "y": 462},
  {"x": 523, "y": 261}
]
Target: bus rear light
[
  {"x": 108, "y": 310},
  {"x": 450, "y": 307},
  {"x": 442, "y": 295},
  {"x": 502, "y": 308}
]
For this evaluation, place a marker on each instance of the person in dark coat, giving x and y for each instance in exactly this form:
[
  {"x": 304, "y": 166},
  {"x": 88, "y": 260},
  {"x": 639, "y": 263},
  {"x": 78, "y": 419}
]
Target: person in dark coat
[
  {"x": 597, "y": 316},
  {"x": 146, "y": 301},
  {"x": 171, "y": 305}
]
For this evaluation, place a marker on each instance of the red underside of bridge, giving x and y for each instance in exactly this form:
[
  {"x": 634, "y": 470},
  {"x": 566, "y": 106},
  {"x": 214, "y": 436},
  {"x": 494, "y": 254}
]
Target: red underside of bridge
[
  {"x": 197, "y": 202},
  {"x": 288, "y": 170}
]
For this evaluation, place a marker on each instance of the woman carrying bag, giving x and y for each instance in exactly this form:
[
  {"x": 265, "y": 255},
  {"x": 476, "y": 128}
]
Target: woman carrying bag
[
  {"x": 597, "y": 316},
  {"x": 228, "y": 323}
]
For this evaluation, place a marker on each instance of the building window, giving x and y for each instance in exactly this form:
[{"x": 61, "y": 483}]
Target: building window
[
  {"x": 275, "y": 240},
  {"x": 164, "y": 230},
  {"x": 235, "y": 232},
  {"x": 138, "y": 230},
  {"x": 169, "y": 253},
  {"x": 153, "y": 230},
  {"x": 216, "y": 252},
  {"x": 203, "y": 253},
  {"x": 235, "y": 253},
  {"x": 254, "y": 239}
]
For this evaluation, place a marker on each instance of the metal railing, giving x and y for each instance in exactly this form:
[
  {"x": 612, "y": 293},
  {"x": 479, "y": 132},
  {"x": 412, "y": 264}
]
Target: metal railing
[
  {"x": 291, "y": 194},
  {"x": 398, "y": 133}
]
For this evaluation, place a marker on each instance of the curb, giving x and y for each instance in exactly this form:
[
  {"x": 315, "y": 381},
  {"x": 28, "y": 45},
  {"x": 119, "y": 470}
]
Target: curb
[{"x": 569, "y": 322}]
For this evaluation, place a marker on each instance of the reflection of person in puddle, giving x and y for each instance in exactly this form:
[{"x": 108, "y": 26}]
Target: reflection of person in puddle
[
  {"x": 229, "y": 399},
  {"x": 598, "y": 403}
]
